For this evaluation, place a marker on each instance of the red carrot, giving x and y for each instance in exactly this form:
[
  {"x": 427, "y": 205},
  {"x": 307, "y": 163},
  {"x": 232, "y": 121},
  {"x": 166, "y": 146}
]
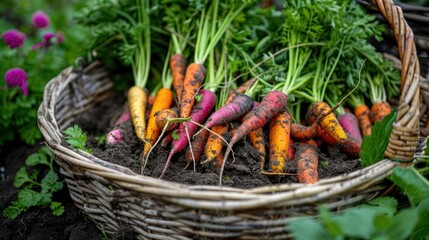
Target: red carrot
[
  {"x": 196, "y": 149},
  {"x": 231, "y": 111},
  {"x": 272, "y": 104},
  {"x": 351, "y": 146},
  {"x": 199, "y": 114},
  {"x": 291, "y": 150}
]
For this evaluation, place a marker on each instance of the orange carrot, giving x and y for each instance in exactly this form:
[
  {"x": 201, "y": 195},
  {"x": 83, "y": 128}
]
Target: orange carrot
[
  {"x": 194, "y": 76},
  {"x": 307, "y": 162},
  {"x": 380, "y": 110},
  {"x": 178, "y": 68},
  {"x": 256, "y": 138},
  {"x": 279, "y": 142},
  {"x": 362, "y": 114},
  {"x": 214, "y": 143},
  {"x": 137, "y": 98},
  {"x": 300, "y": 132},
  {"x": 197, "y": 146},
  {"x": 163, "y": 100},
  {"x": 163, "y": 116}
]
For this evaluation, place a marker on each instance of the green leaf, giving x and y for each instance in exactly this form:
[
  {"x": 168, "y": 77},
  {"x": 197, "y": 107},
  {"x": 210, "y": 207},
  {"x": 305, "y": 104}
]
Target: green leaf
[
  {"x": 329, "y": 223},
  {"x": 421, "y": 230},
  {"x": 50, "y": 183},
  {"x": 373, "y": 146},
  {"x": 403, "y": 224},
  {"x": 36, "y": 158},
  {"x": 21, "y": 178},
  {"x": 13, "y": 211},
  {"x": 415, "y": 186},
  {"x": 57, "y": 208},
  {"x": 365, "y": 216},
  {"x": 307, "y": 228},
  {"x": 29, "y": 197}
]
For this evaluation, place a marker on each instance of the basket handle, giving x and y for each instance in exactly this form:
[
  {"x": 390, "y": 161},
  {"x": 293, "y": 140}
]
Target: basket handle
[{"x": 403, "y": 139}]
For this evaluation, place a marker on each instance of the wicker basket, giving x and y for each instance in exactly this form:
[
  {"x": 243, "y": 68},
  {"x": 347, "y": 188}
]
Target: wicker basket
[{"x": 113, "y": 196}]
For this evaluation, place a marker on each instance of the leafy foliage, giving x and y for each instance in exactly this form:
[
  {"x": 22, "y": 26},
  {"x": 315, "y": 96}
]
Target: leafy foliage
[
  {"x": 373, "y": 146},
  {"x": 36, "y": 190},
  {"x": 18, "y": 115},
  {"x": 379, "y": 219},
  {"x": 77, "y": 138}
]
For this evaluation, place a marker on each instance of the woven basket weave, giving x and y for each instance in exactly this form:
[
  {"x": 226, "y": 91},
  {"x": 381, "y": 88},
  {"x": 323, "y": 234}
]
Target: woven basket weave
[{"x": 113, "y": 196}]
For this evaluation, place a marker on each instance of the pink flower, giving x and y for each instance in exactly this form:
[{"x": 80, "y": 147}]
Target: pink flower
[
  {"x": 46, "y": 41},
  {"x": 14, "y": 38},
  {"x": 16, "y": 77},
  {"x": 40, "y": 19}
]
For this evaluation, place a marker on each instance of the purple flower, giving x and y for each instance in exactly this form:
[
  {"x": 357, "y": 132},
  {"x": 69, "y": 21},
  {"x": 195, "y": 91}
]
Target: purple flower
[
  {"x": 16, "y": 77},
  {"x": 46, "y": 41},
  {"x": 14, "y": 38},
  {"x": 40, "y": 19}
]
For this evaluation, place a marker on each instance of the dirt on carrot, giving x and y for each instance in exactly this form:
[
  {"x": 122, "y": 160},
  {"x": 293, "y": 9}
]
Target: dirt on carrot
[{"x": 244, "y": 172}]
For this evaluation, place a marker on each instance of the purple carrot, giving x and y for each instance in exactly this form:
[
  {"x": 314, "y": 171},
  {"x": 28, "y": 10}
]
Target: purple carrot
[
  {"x": 350, "y": 124},
  {"x": 272, "y": 104},
  {"x": 167, "y": 139},
  {"x": 239, "y": 105},
  {"x": 115, "y": 135},
  {"x": 199, "y": 113}
]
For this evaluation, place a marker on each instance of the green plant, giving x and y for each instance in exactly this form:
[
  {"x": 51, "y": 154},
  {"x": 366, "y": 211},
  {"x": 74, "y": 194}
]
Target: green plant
[
  {"x": 18, "y": 115},
  {"x": 36, "y": 190},
  {"x": 76, "y": 138}
]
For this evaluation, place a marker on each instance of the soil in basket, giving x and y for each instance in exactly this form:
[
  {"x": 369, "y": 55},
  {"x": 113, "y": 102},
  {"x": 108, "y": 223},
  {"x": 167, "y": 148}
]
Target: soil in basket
[{"x": 242, "y": 172}]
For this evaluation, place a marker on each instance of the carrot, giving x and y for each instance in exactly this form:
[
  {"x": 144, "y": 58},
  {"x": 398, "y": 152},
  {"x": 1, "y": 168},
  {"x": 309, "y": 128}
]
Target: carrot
[
  {"x": 196, "y": 149},
  {"x": 350, "y": 124},
  {"x": 199, "y": 114},
  {"x": 272, "y": 104},
  {"x": 218, "y": 163},
  {"x": 351, "y": 146},
  {"x": 137, "y": 98},
  {"x": 362, "y": 113},
  {"x": 115, "y": 135},
  {"x": 291, "y": 150},
  {"x": 307, "y": 162},
  {"x": 380, "y": 110},
  {"x": 163, "y": 100},
  {"x": 167, "y": 139},
  {"x": 241, "y": 89},
  {"x": 279, "y": 136},
  {"x": 231, "y": 111},
  {"x": 178, "y": 69},
  {"x": 163, "y": 116},
  {"x": 301, "y": 132},
  {"x": 257, "y": 140},
  {"x": 328, "y": 122},
  {"x": 194, "y": 76},
  {"x": 214, "y": 143}
]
